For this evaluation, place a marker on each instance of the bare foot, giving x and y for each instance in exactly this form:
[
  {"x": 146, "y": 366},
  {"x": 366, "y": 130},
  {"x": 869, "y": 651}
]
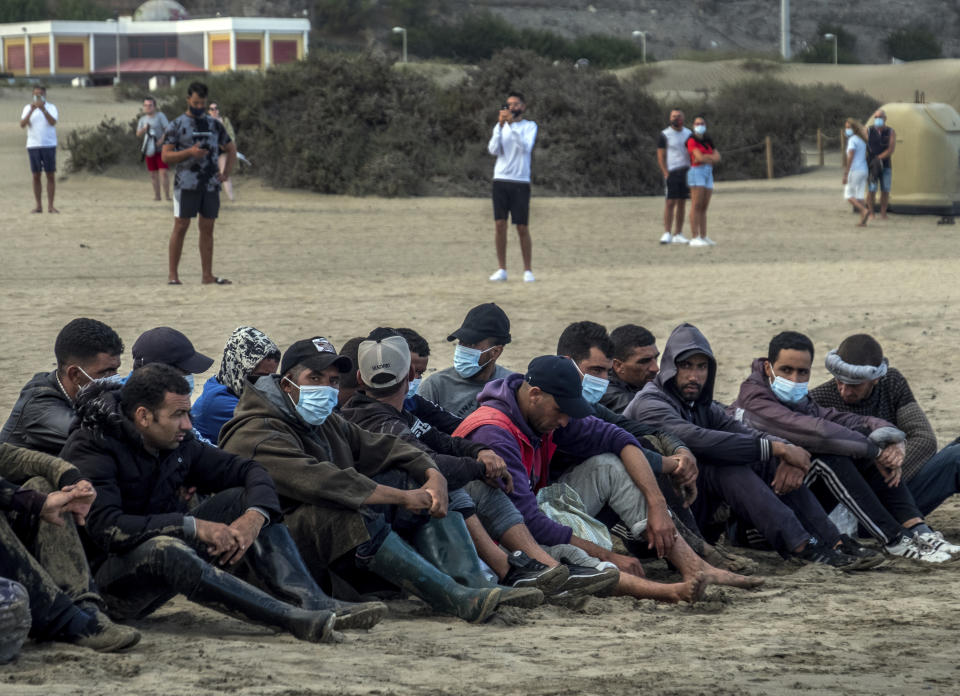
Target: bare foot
[
  {"x": 883, "y": 216},
  {"x": 691, "y": 590},
  {"x": 37, "y": 210},
  {"x": 156, "y": 198},
  {"x": 51, "y": 209},
  {"x": 716, "y": 576}
]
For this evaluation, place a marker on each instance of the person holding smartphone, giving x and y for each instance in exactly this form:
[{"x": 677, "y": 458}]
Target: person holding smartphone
[
  {"x": 40, "y": 117},
  {"x": 193, "y": 141}
]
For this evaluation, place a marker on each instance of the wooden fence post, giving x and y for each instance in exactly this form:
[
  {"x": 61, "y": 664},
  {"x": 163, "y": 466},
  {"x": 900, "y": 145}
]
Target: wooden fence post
[
  {"x": 820, "y": 146},
  {"x": 769, "y": 143}
]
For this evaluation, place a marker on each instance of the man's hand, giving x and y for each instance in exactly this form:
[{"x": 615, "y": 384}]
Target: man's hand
[
  {"x": 197, "y": 152},
  {"x": 792, "y": 455},
  {"x": 787, "y": 478},
  {"x": 627, "y": 564},
  {"x": 416, "y": 500},
  {"x": 891, "y": 472},
  {"x": 75, "y": 499},
  {"x": 686, "y": 472},
  {"x": 661, "y": 531},
  {"x": 505, "y": 116},
  {"x": 495, "y": 470},
  {"x": 436, "y": 488},
  {"x": 186, "y": 493},
  {"x": 248, "y": 527},
  {"x": 221, "y": 540},
  {"x": 892, "y": 455}
]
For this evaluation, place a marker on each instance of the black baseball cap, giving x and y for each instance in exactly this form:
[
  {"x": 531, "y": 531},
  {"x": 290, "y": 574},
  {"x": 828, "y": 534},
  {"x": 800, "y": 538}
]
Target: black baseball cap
[
  {"x": 317, "y": 353},
  {"x": 483, "y": 321},
  {"x": 170, "y": 347},
  {"x": 559, "y": 378}
]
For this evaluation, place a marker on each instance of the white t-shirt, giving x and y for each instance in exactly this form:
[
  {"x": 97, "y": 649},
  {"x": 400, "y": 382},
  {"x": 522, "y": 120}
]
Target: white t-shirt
[
  {"x": 512, "y": 143},
  {"x": 855, "y": 143},
  {"x": 39, "y": 131},
  {"x": 675, "y": 144}
]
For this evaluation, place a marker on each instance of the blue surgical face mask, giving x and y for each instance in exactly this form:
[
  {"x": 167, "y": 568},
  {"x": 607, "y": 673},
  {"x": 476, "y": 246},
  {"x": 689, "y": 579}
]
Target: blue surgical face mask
[
  {"x": 190, "y": 381},
  {"x": 700, "y": 130},
  {"x": 316, "y": 402},
  {"x": 878, "y": 122},
  {"x": 593, "y": 388},
  {"x": 466, "y": 361},
  {"x": 112, "y": 379},
  {"x": 789, "y": 392},
  {"x": 849, "y": 132},
  {"x": 413, "y": 386}
]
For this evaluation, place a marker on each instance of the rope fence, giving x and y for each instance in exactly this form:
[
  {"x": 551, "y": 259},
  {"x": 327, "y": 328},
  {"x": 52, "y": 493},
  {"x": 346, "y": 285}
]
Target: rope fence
[{"x": 767, "y": 145}]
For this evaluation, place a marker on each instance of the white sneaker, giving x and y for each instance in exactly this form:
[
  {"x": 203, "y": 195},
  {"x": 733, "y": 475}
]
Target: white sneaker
[
  {"x": 936, "y": 541},
  {"x": 678, "y": 239},
  {"x": 500, "y": 276},
  {"x": 698, "y": 242},
  {"x": 666, "y": 238},
  {"x": 527, "y": 277},
  {"x": 917, "y": 550},
  {"x": 709, "y": 241}
]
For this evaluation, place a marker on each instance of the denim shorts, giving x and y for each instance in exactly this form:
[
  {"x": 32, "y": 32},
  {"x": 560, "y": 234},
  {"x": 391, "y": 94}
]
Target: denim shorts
[
  {"x": 885, "y": 180},
  {"x": 700, "y": 176}
]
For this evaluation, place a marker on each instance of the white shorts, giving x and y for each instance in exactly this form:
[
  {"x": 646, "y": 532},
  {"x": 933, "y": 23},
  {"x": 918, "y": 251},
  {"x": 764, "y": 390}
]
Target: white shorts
[{"x": 856, "y": 186}]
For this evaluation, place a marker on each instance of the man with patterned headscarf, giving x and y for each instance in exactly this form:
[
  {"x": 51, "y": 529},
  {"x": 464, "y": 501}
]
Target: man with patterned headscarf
[
  {"x": 248, "y": 354},
  {"x": 864, "y": 383}
]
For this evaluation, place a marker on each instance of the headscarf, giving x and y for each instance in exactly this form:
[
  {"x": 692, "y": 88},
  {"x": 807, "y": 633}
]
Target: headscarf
[
  {"x": 245, "y": 349},
  {"x": 849, "y": 373}
]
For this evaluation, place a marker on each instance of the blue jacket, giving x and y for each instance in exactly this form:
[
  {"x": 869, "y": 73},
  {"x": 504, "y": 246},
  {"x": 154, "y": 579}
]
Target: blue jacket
[{"x": 214, "y": 408}]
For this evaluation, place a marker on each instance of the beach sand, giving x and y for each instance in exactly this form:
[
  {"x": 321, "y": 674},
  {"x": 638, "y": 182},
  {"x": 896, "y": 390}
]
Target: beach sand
[{"x": 788, "y": 257}]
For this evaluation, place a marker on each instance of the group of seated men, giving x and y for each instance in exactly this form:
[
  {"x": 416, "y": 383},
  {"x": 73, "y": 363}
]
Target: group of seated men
[{"x": 303, "y": 486}]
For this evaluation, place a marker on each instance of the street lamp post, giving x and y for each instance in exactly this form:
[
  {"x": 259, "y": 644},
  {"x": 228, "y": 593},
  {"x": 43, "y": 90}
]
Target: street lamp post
[
  {"x": 116, "y": 19},
  {"x": 403, "y": 31},
  {"x": 834, "y": 37},
  {"x": 643, "y": 43}
]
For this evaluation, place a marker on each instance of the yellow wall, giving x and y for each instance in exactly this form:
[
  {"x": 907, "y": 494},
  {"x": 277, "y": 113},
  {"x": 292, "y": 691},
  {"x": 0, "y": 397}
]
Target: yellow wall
[
  {"x": 211, "y": 39},
  {"x": 34, "y": 68},
  {"x": 7, "y": 43},
  {"x": 85, "y": 68}
]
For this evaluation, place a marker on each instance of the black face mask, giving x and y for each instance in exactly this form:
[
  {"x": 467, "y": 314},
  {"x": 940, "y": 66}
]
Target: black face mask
[
  {"x": 197, "y": 112},
  {"x": 516, "y": 112},
  {"x": 676, "y": 124}
]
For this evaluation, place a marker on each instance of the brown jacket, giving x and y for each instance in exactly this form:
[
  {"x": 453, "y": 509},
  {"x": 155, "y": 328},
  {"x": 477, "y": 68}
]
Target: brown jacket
[{"x": 329, "y": 466}]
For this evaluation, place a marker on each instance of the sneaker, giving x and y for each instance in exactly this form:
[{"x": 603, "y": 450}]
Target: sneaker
[
  {"x": 916, "y": 550},
  {"x": 816, "y": 552},
  {"x": 936, "y": 541},
  {"x": 698, "y": 242},
  {"x": 678, "y": 239},
  {"x": 526, "y": 572},
  {"x": 101, "y": 634},
  {"x": 587, "y": 580},
  {"x": 709, "y": 241},
  {"x": 868, "y": 558},
  {"x": 500, "y": 276},
  {"x": 527, "y": 276},
  {"x": 666, "y": 238}
]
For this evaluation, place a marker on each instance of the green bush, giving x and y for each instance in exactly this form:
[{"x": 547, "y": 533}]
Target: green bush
[
  {"x": 913, "y": 43},
  {"x": 820, "y": 49},
  {"x": 352, "y": 124}
]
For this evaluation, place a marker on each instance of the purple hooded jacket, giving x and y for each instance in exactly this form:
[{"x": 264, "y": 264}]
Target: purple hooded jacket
[
  {"x": 582, "y": 437},
  {"x": 818, "y": 429}
]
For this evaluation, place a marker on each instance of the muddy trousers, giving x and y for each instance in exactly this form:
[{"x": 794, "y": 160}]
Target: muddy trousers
[{"x": 785, "y": 521}]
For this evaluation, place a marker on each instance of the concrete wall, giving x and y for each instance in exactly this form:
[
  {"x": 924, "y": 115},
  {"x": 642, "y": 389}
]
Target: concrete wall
[
  {"x": 190, "y": 48},
  {"x": 104, "y": 51}
]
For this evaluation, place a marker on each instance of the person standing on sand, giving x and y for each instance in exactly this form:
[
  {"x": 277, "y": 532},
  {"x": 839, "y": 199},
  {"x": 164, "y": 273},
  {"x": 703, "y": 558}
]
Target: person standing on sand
[
  {"x": 674, "y": 164},
  {"x": 153, "y": 126},
  {"x": 40, "y": 117},
  {"x": 193, "y": 142},
  {"x": 881, "y": 140},
  {"x": 214, "y": 112},
  {"x": 512, "y": 144},
  {"x": 700, "y": 180},
  {"x": 855, "y": 170}
]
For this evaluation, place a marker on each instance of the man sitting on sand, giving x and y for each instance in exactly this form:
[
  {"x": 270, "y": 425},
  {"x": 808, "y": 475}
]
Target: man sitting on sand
[
  {"x": 737, "y": 462},
  {"x": 526, "y": 418},
  {"x": 135, "y": 445},
  {"x": 347, "y": 492},
  {"x": 40, "y": 549},
  {"x": 865, "y": 384},
  {"x": 86, "y": 350},
  {"x": 634, "y": 364},
  {"x": 857, "y": 457},
  {"x": 480, "y": 341}
]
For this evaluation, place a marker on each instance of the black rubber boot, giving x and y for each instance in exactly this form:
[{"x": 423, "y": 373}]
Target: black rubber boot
[
  {"x": 278, "y": 564},
  {"x": 232, "y": 596},
  {"x": 400, "y": 564},
  {"x": 446, "y": 543}
]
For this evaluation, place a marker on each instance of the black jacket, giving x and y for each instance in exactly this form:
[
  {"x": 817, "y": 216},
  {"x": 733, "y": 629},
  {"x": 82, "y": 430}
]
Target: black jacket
[
  {"x": 455, "y": 457},
  {"x": 137, "y": 491},
  {"x": 619, "y": 394},
  {"x": 41, "y": 417}
]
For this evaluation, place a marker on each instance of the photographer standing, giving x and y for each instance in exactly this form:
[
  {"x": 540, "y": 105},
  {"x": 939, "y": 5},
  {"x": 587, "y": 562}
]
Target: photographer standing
[
  {"x": 39, "y": 117},
  {"x": 152, "y": 128},
  {"x": 512, "y": 144},
  {"x": 193, "y": 141}
]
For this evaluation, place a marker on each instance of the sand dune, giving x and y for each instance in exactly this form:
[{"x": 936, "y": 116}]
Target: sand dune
[{"x": 788, "y": 256}]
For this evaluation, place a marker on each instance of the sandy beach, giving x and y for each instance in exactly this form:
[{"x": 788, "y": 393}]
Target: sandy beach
[{"x": 788, "y": 257}]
